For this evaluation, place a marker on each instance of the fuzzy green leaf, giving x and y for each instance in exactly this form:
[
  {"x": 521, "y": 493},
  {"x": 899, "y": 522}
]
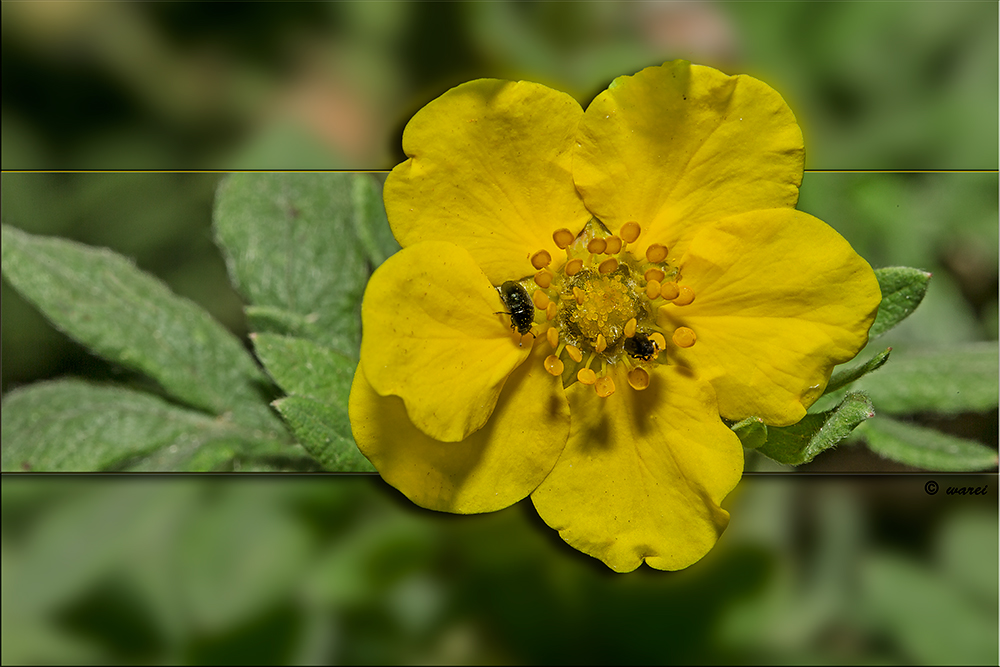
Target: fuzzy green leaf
[
  {"x": 325, "y": 431},
  {"x": 291, "y": 245},
  {"x": 926, "y": 448},
  {"x": 103, "y": 301},
  {"x": 75, "y": 426},
  {"x": 955, "y": 379},
  {"x": 752, "y": 432},
  {"x": 815, "y": 433},
  {"x": 903, "y": 289},
  {"x": 303, "y": 368},
  {"x": 844, "y": 377},
  {"x": 370, "y": 222}
]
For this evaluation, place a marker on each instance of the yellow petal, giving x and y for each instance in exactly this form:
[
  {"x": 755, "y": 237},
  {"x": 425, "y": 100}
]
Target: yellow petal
[
  {"x": 679, "y": 146},
  {"x": 493, "y": 468},
  {"x": 780, "y": 298},
  {"x": 643, "y": 473},
  {"x": 489, "y": 169},
  {"x": 433, "y": 338}
]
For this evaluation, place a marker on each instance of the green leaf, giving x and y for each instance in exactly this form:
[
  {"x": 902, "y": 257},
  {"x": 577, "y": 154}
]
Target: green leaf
[
  {"x": 71, "y": 425},
  {"x": 903, "y": 289},
  {"x": 303, "y": 368},
  {"x": 752, "y": 432},
  {"x": 100, "y": 299},
  {"x": 291, "y": 245},
  {"x": 370, "y": 222},
  {"x": 844, "y": 377},
  {"x": 325, "y": 431},
  {"x": 956, "y": 379},
  {"x": 926, "y": 448},
  {"x": 815, "y": 433}
]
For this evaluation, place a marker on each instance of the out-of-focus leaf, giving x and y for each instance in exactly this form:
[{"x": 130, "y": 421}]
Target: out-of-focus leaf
[
  {"x": 131, "y": 318},
  {"x": 291, "y": 245},
  {"x": 71, "y": 425},
  {"x": 926, "y": 448},
  {"x": 801, "y": 442},
  {"x": 954, "y": 379},
  {"x": 844, "y": 377},
  {"x": 325, "y": 431},
  {"x": 752, "y": 432},
  {"x": 903, "y": 289},
  {"x": 303, "y": 368}
]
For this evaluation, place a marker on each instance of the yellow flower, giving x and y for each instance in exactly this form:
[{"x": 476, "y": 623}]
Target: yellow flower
[{"x": 670, "y": 280}]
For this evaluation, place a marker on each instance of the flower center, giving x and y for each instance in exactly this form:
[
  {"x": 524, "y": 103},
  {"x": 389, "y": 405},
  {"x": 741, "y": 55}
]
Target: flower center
[{"x": 601, "y": 303}]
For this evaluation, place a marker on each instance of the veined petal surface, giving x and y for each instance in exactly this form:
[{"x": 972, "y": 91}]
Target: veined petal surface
[
  {"x": 433, "y": 338},
  {"x": 489, "y": 169},
  {"x": 679, "y": 146},
  {"x": 780, "y": 298},
  {"x": 643, "y": 473},
  {"x": 493, "y": 468}
]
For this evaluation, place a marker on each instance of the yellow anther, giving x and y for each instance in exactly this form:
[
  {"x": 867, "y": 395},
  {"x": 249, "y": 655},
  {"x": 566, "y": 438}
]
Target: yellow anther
[
  {"x": 684, "y": 297},
  {"x": 574, "y": 353},
  {"x": 654, "y": 274},
  {"x": 553, "y": 365},
  {"x": 543, "y": 278},
  {"x": 652, "y": 289},
  {"x": 573, "y": 267},
  {"x": 661, "y": 342},
  {"x": 601, "y": 344},
  {"x": 630, "y": 328},
  {"x": 605, "y": 386},
  {"x": 552, "y": 335},
  {"x": 608, "y": 265},
  {"x": 586, "y": 376},
  {"x": 541, "y": 259},
  {"x": 669, "y": 291},
  {"x": 528, "y": 338},
  {"x": 563, "y": 237},
  {"x": 638, "y": 379},
  {"x": 614, "y": 245},
  {"x": 540, "y": 299},
  {"x": 579, "y": 295},
  {"x": 597, "y": 246},
  {"x": 684, "y": 337},
  {"x": 656, "y": 253},
  {"x": 630, "y": 232},
  {"x": 550, "y": 311}
]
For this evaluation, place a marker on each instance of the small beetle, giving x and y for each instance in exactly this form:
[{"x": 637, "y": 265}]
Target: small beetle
[
  {"x": 519, "y": 306},
  {"x": 640, "y": 347}
]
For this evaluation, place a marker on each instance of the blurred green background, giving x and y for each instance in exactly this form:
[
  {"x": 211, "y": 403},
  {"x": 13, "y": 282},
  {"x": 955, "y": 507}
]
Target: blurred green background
[{"x": 323, "y": 569}]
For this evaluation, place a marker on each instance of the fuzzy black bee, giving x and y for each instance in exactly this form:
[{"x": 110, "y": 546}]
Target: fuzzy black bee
[
  {"x": 519, "y": 306},
  {"x": 640, "y": 347}
]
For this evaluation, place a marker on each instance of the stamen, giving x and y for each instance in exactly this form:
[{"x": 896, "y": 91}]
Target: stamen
[
  {"x": 574, "y": 353},
  {"x": 574, "y": 266},
  {"x": 543, "y": 278},
  {"x": 550, "y": 310},
  {"x": 562, "y": 237},
  {"x": 656, "y": 253},
  {"x": 552, "y": 335},
  {"x": 630, "y": 232},
  {"x": 684, "y": 337},
  {"x": 524, "y": 339},
  {"x": 684, "y": 297},
  {"x": 652, "y": 289},
  {"x": 608, "y": 265},
  {"x": 601, "y": 345},
  {"x": 654, "y": 274},
  {"x": 586, "y": 376},
  {"x": 659, "y": 340},
  {"x": 579, "y": 295},
  {"x": 669, "y": 291},
  {"x": 597, "y": 246},
  {"x": 540, "y": 299},
  {"x": 553, "y": 365},
  {"x": 630, "y": 327},
  {"x": 614, "y": 245},
  {"x": 541, "y": 259},
  {"x": 638, "y": 379},
  {"x": 605, "y": 386}
]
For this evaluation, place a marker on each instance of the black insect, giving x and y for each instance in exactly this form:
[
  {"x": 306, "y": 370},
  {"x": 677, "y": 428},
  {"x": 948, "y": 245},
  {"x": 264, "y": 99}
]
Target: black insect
[
  {"x": 519, "y": 306},
  {"x": 640, "y": 347}
]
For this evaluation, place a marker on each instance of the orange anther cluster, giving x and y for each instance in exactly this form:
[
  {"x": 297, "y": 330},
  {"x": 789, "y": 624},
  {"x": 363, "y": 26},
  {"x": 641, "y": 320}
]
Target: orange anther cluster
[
  {"x": 544, "y": 278},
  {"x": 630, "y": 328},
  {"x": 652, "y": 289},
  {"x": 630, "y": 232},
  {"x": 563, "y": 237},
  {"x": 614, "y": 245},
  {"x": 657, "y": 337},
  {"x": 608, "y": 265},
  {"x": 656, "y": 253},
  {"x": 638, "y": 379},
  {"x": 574, "y": 266},
  {"x": 669, "y": 291},
  {"x": 684, "y": 297},
  {"x": 574, "y": 353},
  {"x": 553, "y": 365},
  {"x": 597, "y": 246},
  {"x": 586, "y": 376},
  {"x": 551, "y": 310},
  {"x": 602, "y": 344},
  {"x": 605, "y": 386},
  {"x": 540, "y": 299},
  {"x": 552, "y": 335},
  {"x": 654, "y": 274},
  {"x": 541, "y": 259},
  {"x": 684, "y": 337}
]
